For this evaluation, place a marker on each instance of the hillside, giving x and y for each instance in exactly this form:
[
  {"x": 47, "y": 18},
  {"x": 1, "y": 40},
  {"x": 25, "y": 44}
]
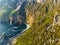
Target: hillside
[{"x": 44, "y": 21}]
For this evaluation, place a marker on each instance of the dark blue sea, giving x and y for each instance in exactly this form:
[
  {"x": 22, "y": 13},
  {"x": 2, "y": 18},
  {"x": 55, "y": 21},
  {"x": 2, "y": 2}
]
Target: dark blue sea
[{"x": 8, "y": 31}]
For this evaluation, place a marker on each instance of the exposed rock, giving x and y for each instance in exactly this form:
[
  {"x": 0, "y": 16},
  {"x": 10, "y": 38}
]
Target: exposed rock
[
  {"x": 48, "y": 26},
  {"x": 57, "y": 18},
  {"x": 36, "y": 1},
  {"x": 41, "y": 1},
  {"x": 29, "y": 18},
  {"x": 56, "y": 2}
]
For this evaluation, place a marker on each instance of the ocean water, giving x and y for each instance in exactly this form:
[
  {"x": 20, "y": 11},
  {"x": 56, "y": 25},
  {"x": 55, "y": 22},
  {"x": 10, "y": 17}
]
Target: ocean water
[{"x": 9, "y": 31}]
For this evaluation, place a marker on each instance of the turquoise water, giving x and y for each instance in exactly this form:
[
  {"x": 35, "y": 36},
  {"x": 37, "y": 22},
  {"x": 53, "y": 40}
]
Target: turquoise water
[{"x": 8, "y": 31}]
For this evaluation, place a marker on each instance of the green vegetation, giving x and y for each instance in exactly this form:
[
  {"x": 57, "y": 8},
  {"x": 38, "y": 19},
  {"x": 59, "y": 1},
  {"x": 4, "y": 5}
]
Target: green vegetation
[{"x": 42, "y": 31}]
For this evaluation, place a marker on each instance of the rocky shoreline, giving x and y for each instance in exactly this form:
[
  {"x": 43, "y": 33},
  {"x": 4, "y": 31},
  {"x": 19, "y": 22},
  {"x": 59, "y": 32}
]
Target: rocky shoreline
[{"x": 13, "y": 40}]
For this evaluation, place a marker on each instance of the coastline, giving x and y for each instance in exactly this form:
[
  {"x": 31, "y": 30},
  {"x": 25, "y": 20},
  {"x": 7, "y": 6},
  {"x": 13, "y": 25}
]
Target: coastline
[{"x": 13, "y": 40}]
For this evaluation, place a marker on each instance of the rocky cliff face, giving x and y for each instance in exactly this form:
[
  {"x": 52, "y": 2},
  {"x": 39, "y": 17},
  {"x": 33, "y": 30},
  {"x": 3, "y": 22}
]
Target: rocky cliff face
[
  {"x": 18, "y": 17},
  {"x": 42, "y": 31},
  {"x": 29, "y": 17},
  {"x": 10, "y": 15},
  {"x": 21, "y": 15}
]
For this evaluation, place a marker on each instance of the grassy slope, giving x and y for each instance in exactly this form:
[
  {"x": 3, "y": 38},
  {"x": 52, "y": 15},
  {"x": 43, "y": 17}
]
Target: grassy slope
[{"x": 33, "y": 36}]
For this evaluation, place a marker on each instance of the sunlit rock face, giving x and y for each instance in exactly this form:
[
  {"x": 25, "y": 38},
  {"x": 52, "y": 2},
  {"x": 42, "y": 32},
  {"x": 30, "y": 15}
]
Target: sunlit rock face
[
  {"x": 29, "y": 17},
  {"x": 41, "y": 1},
  {"x": 38, "y": 1},
  {"x": 56, "y": 2}
]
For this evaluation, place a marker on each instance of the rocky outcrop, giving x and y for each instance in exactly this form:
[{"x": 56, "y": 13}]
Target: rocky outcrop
[
  {"x": 36, "y": 1},
  {"x": 41, "y": 1},
  {"x": 56, "y": 2},
  {"x": 29, "y": 17},
  {"x": 56, "y": 19}
]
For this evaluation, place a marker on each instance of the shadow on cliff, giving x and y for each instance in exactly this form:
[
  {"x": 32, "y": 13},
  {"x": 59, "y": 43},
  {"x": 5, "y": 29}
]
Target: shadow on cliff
[{"x": 22, "y": 12}]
